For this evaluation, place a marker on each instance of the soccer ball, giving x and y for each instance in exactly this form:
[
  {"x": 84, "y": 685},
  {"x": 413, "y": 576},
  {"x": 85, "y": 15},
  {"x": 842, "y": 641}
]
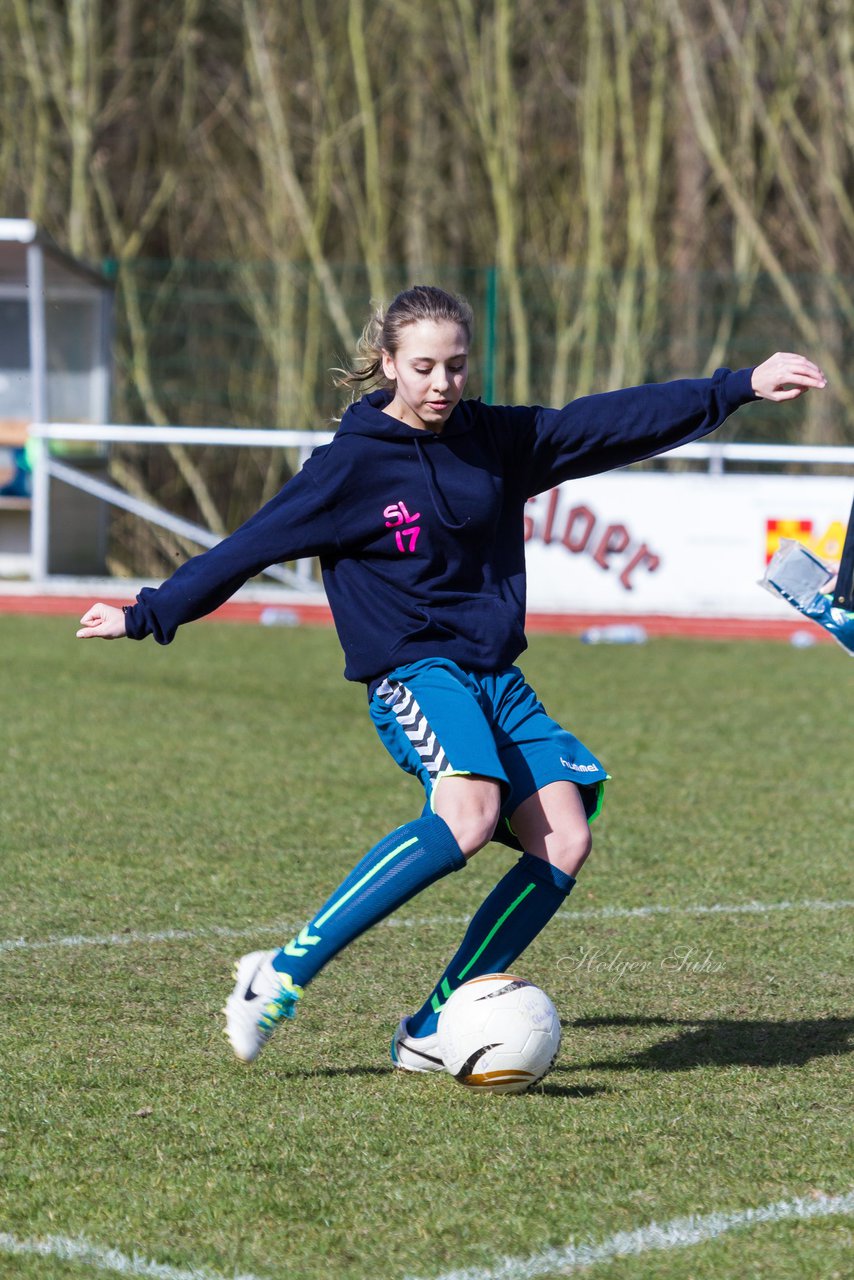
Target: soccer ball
[{"x": 498, "y": 1034}]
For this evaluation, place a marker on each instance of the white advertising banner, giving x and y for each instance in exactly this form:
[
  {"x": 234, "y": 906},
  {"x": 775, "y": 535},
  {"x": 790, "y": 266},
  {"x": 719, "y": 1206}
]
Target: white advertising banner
[{"x": 685, "y": 544}]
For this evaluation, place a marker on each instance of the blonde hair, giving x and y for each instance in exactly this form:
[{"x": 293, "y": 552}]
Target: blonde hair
[{"x": 384, "y": 331}]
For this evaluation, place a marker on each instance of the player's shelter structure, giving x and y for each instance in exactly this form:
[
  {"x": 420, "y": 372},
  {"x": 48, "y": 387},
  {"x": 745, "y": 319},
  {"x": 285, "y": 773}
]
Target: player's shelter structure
[{"x": 55, "y": 340}]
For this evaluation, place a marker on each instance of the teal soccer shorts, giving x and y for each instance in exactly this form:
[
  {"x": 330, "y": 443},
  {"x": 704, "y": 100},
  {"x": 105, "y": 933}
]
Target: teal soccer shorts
[{"x": 437, "y": 721}]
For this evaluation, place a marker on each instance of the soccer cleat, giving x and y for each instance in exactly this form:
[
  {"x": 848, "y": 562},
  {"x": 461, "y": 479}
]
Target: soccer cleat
[
  {"x": 415, "y": 1053},
  {"x": 261, "y": 998}
]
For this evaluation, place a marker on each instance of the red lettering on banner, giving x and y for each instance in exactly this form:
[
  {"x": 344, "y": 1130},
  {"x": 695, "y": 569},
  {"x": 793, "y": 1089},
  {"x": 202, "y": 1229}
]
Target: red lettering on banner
[
  {"x": 616, "y": 539},
  {"x": 643, "y": 554},
  {"x": 610, "y": 546},
  {"x": 580, "y": 523},
  {"x": 554, "y": 498}
]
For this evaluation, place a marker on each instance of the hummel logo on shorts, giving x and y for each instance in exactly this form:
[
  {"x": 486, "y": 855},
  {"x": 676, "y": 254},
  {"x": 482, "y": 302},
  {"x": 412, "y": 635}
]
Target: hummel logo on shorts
[{"x": 579, "y": 768}]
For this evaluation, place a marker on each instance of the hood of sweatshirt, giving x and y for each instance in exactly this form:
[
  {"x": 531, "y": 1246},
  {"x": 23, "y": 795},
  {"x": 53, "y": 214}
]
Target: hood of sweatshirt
[{"x": 367, "y": 417}]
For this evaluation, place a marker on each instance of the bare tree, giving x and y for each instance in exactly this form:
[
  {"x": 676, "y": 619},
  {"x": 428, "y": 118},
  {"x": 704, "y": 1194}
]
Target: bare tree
[{"x": 635, "y": 181}]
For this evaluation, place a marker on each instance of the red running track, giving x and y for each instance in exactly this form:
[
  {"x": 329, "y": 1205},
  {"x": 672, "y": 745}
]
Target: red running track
[{"x": 561, "y": 623}]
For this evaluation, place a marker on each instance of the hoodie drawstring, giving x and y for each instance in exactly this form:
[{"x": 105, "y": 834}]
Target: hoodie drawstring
[{"x": 433, "y": 490}]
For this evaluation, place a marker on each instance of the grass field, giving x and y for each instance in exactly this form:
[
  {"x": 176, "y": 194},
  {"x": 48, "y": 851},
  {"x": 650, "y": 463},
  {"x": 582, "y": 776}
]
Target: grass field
[{"x": 164, "y": 811}]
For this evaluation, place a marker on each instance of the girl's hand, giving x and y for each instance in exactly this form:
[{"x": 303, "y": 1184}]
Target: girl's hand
[
  {"x": 103, "y": 620},
  {"x": 785, "y": 376}
]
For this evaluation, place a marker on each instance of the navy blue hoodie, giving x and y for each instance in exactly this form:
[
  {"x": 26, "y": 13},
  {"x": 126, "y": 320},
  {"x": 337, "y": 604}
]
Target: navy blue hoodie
[{"x": 421, "y": 536}]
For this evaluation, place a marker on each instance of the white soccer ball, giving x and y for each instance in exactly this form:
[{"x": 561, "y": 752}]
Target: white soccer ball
[{"x": 498, "y": 1034}]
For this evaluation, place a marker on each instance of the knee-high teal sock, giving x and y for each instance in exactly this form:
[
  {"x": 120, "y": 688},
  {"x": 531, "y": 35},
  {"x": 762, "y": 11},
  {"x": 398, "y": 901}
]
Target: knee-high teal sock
[
  {"x": 401, "y": 865},
  {"x": 516, "y": 910}
]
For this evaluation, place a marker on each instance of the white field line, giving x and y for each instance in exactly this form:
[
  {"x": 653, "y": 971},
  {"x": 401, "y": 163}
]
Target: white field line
[
  {"x": 78, "y": 1249},
  {"x": 286, "y": 928},
  {"x": 678, "y": 1233}
]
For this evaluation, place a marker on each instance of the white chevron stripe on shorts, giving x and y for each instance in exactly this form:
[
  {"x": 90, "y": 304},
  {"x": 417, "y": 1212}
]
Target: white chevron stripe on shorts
[{"x": 414, "y": 724}]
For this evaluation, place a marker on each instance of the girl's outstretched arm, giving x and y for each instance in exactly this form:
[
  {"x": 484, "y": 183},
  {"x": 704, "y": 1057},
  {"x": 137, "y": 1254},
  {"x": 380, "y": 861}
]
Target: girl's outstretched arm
[
  {"x": 296, "y": 523},
  {"x": 599, "y": 433}
]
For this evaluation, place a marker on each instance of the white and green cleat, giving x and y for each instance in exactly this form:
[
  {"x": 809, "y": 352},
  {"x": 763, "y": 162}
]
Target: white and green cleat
[
  {"x": 415, "y": 1053},
  {"x": 261, "y": 998}
]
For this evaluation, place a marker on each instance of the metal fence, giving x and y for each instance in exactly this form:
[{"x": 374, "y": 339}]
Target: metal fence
[
  {"x": 252, "y": 344},
  {"x": 712, "y": 455}
]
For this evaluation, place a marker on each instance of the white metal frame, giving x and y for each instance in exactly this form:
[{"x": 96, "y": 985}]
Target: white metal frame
[{"x": 47, "y": 468}]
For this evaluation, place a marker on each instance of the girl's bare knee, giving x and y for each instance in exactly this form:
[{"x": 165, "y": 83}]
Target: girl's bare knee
[
  {"x": 552, "y": 824},
  {"x": 571, "y": 850},
  {"x": 471, "y": 808}
]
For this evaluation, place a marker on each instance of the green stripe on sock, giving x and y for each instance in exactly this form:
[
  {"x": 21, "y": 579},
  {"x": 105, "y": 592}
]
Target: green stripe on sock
[
  {"x": 345, "y": 897},
  {"x": 447, "y": 991},
  {"x": 494, "y": 930}
]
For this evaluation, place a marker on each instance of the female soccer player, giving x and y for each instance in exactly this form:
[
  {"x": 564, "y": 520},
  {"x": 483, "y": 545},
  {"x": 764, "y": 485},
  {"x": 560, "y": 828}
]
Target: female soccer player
[{"x": 416, "y": 512}]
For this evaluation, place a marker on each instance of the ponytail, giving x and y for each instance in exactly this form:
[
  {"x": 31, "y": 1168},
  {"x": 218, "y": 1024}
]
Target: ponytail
[{"x": 366, "y": 370}]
